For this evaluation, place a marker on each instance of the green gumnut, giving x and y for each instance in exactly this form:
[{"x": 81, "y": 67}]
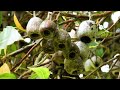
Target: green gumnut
[
  {"x": 73, "y": 64},
  {"x": 87, "y": 31},
  {"x": 32, "y": 28},
  {"x": 47, "y": 29},
  {"x": 62, "y": 41},
  {"x": 84, "y": 50},
  {"x": 58, "y": 58},
  {"x": 73, "y": 51},
  {"x": 73, "y": 67},
  {"x": 93, "y": 63},
  {"x": 47, "y": 46}
]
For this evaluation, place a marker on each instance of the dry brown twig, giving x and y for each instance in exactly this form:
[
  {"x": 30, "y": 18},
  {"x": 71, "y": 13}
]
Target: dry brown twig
[
  {"x": 26, "y": 55},
  {"x": 84, "y": 17}
]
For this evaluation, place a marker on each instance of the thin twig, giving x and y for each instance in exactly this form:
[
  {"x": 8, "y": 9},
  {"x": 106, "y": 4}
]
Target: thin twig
[
  {"x": 25, "y": 73},
  {"x": 101, "y": 66},
  {"x": 118, "y": 76},
  {"x": 109, "y": 29},
  {"x": 94, "y": 16},
  {"x": 101, "y": 20},
  {"x": 38, "y": 13},
  {"x": 68, "y": 21},
  {"x": 106, "y": 13},
  {"x": 43, "y": 64},
  {"x": 113, "y": 64},
  {"x": 98, "y": 75},
  {"x": 29, "y": 13},
  {"x": 43, "y": 59},
  {"x": 34, "y": 14},
  {"x": 39, "y": 58},
  {"x": 29, "y": 71},
  {"x": 18, "y": 51},
  {"x": 25, "y": 55},
  {"x": 83, "y": 17},
  {"x": 56, "y": 19}
]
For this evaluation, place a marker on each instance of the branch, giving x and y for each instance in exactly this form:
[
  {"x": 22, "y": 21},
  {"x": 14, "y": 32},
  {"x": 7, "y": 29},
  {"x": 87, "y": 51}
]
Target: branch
[
  {"x": 29, "y": 13},
  {"x": 67, "y": 21},
  {"x": 26, "y": 55},
  {"x": 40, "y": 56},
  {"x": 113, "y": 38},
  {"x": 94, "y": 16},
  {"x": 75, "y": 16},
  {"x": 18, "y": 51},
  {"x": 109, "y": 29},
  {"x": 29, "y": 71},
  {"x": 101, "y": 66},
  {"x": 84, "y": 17}
]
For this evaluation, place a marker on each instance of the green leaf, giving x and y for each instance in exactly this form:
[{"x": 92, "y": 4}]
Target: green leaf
[
  {"x": 12, "y": 48},
  {"x": 93, "y": 44},
  {"x": 104, "y": 33},
  {"x": 42, "y": 72},
  {"x": 33, "y": 76},
  {"x": 77, "y": 23},
  {"x": 7, "y": 76},
  {"x": 8, "y": 36},
  {"x": 100, "y": 52},
  {"x": 0, "y": 18}
]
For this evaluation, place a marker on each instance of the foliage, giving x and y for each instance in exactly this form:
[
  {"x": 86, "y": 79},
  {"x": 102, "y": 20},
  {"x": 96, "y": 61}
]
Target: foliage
[
  {"x": 41, "y": 72},
  {"x": 8, "y": 36},
  {"x": 41, "y": 59}
]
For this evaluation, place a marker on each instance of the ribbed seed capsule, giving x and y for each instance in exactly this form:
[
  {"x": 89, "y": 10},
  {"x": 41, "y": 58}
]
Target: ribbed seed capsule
[
  {"x": 92, "y": 63},
  {"x": 48, "y": 29},
  {"x": 32, "y": 28},
  {"x": 87, "y": 31},
  {"x": 47, "y": 46},
  {"x": 58, "y": 58},
  {"x": 62, "y": 41},
  {"x": 84, "y": 50},
  {"x": 73, "y": 62}
]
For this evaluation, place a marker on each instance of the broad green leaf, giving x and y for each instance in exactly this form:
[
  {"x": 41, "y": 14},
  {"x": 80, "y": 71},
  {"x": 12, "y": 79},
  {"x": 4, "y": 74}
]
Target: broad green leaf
[
  {"x": 100, "y": 52},
  {"x": 12, "y": 48},
  {"x": 4, "y": 69},
  {"x": 93, "y": 44},
  {"x": 17, "y": 23},
  {"x": 8, "y": 36},
  {"x": 33, "y": 76},
  {"x": 0, "y": 18},
  {"x": 7, "y": 76},
  {"x": 103, "y": 33},
  {"x": 2, "y": 52},
  {"x": 42, "y": 72}
]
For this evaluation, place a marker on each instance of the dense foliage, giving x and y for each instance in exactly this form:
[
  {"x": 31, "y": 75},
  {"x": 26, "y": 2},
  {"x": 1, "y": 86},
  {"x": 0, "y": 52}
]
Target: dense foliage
[{"x": 59, "y": 45}]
